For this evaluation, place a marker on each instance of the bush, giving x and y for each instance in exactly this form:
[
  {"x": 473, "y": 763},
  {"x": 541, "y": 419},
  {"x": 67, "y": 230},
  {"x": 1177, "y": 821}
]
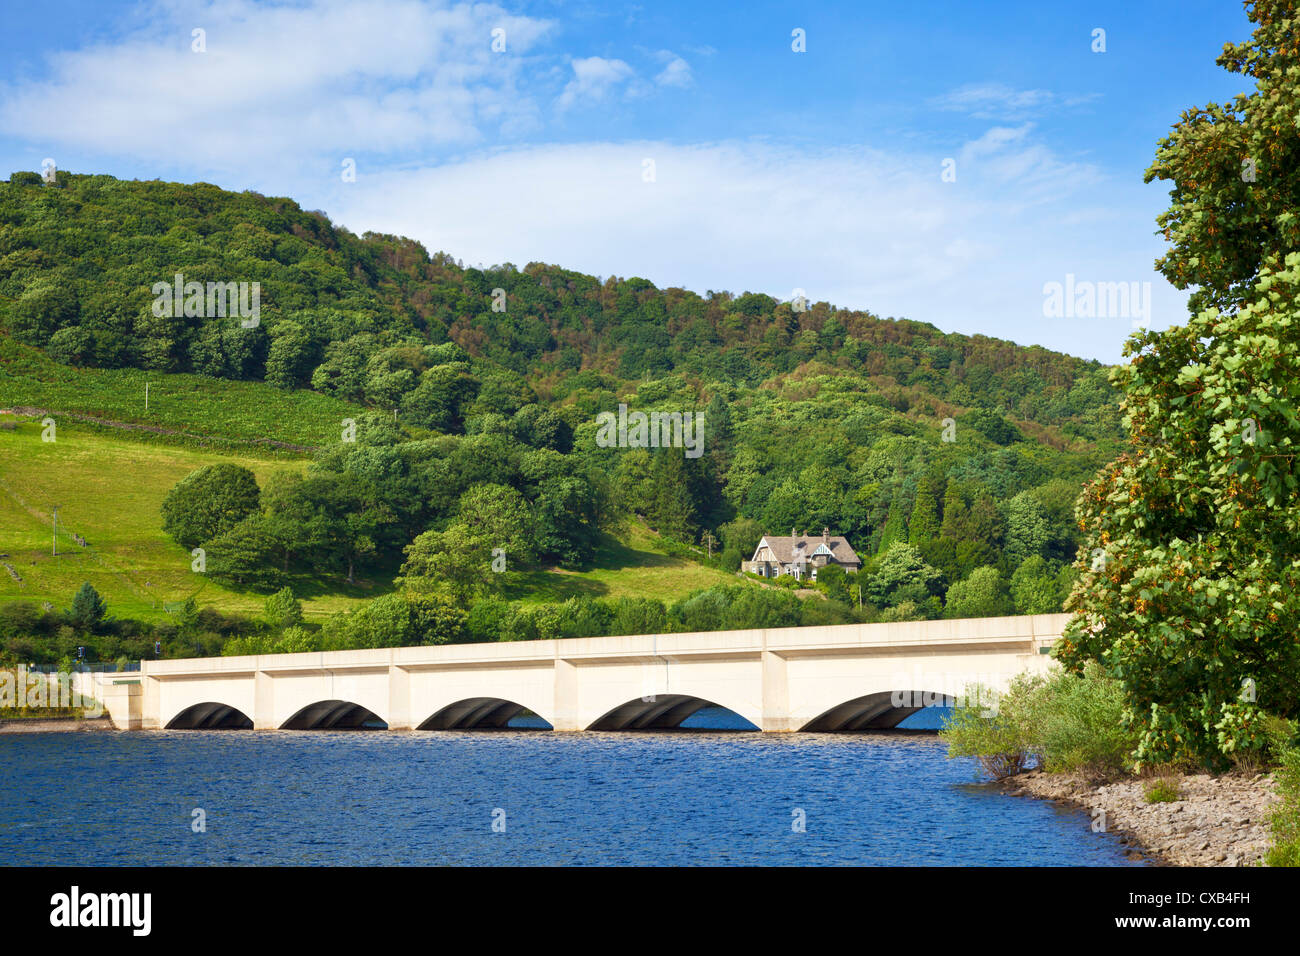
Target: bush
[
  {"x": 997, "y": 731},
  {"x": 1066, "y": 722},
  {"x": 1163, "y": 790},
  {"x": 293, "y": 640},
  {"x": 639, "y": 616},
  {"x": 1081, "y": 724},
  {"x": 1285, "y": 821}
]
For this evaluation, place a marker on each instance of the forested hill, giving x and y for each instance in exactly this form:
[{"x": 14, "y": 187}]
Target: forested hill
[
  {"x": 81, "y": 257},
  {"x": 818, "y": 416}
]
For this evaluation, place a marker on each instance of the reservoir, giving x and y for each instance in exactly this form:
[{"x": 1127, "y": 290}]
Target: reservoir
[{"x": 519, "y": 797}]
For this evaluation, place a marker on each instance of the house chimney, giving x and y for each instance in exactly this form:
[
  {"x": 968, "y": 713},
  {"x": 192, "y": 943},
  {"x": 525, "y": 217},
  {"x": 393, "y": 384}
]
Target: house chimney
[
  {"x": 826, "y": 535},
  {"x": 793, "y": 533}
]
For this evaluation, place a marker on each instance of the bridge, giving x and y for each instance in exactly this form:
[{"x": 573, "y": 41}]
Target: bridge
[{"x": 835, "y": 678}]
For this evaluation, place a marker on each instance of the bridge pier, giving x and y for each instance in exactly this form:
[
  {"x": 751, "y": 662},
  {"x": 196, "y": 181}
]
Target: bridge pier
[
  {"x": 776, "y": 695},
  {"x": 399, "y": 698},
  {"x": 566, "y": 696},
  {"x": 264, "y": 702}
]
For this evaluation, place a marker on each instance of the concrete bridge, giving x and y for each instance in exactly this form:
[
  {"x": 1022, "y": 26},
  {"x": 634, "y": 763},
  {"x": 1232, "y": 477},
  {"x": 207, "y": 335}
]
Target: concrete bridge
[{"x": 847, "y": 677}]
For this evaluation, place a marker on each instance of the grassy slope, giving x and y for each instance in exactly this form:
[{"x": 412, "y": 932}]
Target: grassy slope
[
  {"x": 109, "y": 490},
  {"x": 226, "y": 413},
  {"x": 633, "y": 567},
  {"x": 109, "y": 487}
]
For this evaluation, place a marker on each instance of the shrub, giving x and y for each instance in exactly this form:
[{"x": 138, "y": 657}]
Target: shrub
[
  {"x": 1285, "y": 820},
  {"x": 1066, "y": 722},
  {"x": 1163, "y": 790},
  {"x": 1081, "y": 724},
  {"x": 996, "y": 731}
]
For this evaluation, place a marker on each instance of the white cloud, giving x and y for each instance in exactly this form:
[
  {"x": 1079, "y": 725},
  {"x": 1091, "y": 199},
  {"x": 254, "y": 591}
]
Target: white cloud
[
  {"x": 676, "y": 73},
  {"x": 997, "y": 101},
  {"x": 330, "y": 76},
  {"x": 858, "y": 228},
  {"x": 594, "y": 78}
]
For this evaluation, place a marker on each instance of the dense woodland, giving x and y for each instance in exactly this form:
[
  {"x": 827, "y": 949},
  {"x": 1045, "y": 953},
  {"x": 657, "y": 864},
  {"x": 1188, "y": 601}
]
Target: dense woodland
[{"x": 482, "y": 430}]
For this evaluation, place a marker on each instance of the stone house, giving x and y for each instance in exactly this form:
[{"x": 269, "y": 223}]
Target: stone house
[{"x": 800, "y": 555}]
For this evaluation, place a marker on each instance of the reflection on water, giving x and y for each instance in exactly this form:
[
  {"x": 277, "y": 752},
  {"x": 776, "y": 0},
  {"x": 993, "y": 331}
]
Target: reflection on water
[{"x": 594, "y": 798}]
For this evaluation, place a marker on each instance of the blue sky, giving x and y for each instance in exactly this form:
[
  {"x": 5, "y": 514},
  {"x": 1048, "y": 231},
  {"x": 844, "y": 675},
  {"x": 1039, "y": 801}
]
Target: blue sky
[{"x": 684, "y": 142}]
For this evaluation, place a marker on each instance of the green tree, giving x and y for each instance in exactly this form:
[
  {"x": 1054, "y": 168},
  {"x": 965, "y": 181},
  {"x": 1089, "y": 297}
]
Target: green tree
[
  {"x": 245, "y": 555},
  {"x": 741, "y": 535},
  {"x": 455, "y": 562},
  {"x": 88, "y": 608},
  {"x": 895, "y": 530},
  {"x": 503, "y": 520},
  {"x": 291, "y": 357},
  {"x": 833, "y": 580},
  {"x": 283, "y": 610},
  {"x": 671, "y": 509},
  {"x": 1034, "y": 588},
  {"x": 209, "y": 502},
  {"x": 1188, "y": 588},
  {"x": 955, "y": 515},
  {"x": 900, "y": 575},
  {"x": 982, "y": 594},
  {"x": 1027, "y": 532},
  {"x": 435, "y": 619},
  {"x": 924, "y": 523}
]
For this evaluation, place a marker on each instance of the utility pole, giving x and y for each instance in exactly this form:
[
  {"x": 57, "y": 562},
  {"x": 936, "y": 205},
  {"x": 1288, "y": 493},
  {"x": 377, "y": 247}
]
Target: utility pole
[{"x": 709, "y": 541}]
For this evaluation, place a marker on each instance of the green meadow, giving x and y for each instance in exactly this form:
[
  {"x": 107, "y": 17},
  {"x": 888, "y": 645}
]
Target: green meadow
[
  {"x": 193, "y": 408},
  {"x": 109, "y": 487}
]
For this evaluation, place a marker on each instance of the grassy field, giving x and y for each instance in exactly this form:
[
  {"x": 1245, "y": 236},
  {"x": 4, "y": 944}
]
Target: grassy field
[
  {"x": 633, "y": 567},
  {"x": 207, "y": 410},
  {"x": 109, "y": 488}
]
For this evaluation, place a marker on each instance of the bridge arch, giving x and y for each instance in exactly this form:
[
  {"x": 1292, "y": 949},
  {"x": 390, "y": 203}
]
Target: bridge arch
[
  {"x": 480, "y": 713},
  {"x": 210, "y": 715},
  {"x": 882, "y": 710},
  {"x": 660, "y": 712},
  {"x": 335, "y": 715}
]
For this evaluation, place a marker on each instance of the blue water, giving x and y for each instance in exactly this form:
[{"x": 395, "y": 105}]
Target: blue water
[{"x": 592, "y": 798}]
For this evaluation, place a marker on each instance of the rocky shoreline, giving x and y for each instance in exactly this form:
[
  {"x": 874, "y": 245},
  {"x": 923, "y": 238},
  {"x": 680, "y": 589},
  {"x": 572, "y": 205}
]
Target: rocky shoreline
[
  {"x": 41, "y": 725},
  {"x": 1218, "y": 820}
]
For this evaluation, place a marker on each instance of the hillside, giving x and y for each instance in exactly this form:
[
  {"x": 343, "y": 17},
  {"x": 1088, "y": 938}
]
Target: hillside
[{"x": 950, "y": 462}]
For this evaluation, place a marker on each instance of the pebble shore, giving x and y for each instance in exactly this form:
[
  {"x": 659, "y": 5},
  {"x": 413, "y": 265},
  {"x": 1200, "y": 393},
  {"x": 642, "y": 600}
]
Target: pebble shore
[
  {"x": 1219, "y": 820},
  {"x": 37, "y": 725}
]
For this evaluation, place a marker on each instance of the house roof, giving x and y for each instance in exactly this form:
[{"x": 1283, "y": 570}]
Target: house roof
[{"x": 788, "y": 549}]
